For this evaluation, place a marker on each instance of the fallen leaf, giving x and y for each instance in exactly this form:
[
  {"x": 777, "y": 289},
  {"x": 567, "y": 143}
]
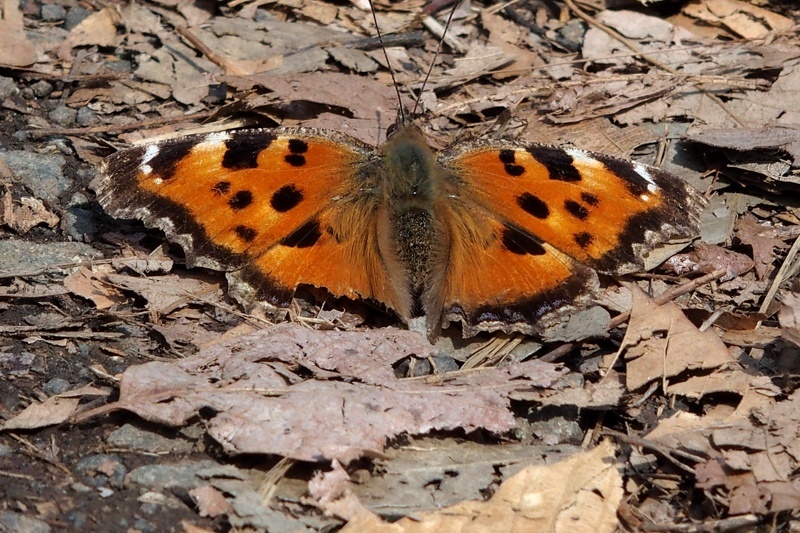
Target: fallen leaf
[
  {"x": 15, "y": 48},
  {"x": 580, "y": 494},
  {"x": 662, "y": 343},
  {"x": 789, "y": 317},
  {"x": 263, "y": 405}
]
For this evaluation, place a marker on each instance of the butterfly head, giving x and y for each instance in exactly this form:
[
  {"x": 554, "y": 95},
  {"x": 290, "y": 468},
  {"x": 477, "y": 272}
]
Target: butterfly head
[{"x": 410, "y": 166}]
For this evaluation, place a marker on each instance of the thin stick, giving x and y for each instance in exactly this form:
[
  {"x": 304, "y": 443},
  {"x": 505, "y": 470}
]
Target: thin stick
[
  {"x": 435, "y": 57},
  {"x": 388, "y": 63}
]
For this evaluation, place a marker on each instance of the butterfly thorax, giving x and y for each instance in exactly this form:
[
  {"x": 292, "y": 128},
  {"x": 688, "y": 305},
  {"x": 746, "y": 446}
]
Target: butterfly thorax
[{"x": 410, "y": 177}]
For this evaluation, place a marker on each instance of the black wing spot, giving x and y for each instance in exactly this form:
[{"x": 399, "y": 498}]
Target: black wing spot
[
  {"x": 245, "y": 233},
  {"x": 507, "y": 157},
  {"x": 509, "y": 160},
  {"x": 165, "y": 162},
  {"x": 575, "y": 209},
  {"x": 240, "y": 200},
  {"x": 295, "y": 160},
  {"x": 520, "y": 243},
  {"x": 559, "y": 164},
  {"x": 626, "y": 171},
  {"x": 305, "y": 236},
  {"x": 298, "y": 146},
  {"x": 222, "y": 187},
  {"x": 533, "y": 205},
  {"x": 583, "y": 239},
  {"x": 242, "y": 151},
  {"x": 286, "y": 198},
  {"x": 590, "y": 199}
]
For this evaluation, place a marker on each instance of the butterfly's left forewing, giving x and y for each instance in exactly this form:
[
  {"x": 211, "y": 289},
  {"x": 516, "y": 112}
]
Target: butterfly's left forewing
[{"x": 287, "y": 206}]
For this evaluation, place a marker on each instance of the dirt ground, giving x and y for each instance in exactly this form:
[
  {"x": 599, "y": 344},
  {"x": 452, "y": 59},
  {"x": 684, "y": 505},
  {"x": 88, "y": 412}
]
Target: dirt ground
[{"x": 137, "y": 393}]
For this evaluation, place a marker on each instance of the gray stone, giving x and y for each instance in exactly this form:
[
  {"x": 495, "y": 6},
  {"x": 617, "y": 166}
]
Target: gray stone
[
  {"x": 132, "y": 438},
  {"x": 75, "y": 16},
  {"x": 52, "y": 12},
  {"x": 42, "y": 174},
  {"x": 5, "y": 450},
  {"x": 7, "y": 87},
  {"x": 101, "y": 470},
  {"x": 16, "y": 363},
  {"x": 11, "y": 521},
  {"x": 166, "y": 476},
  {"x": 79, "y": 224},
  {"x": 56, "y": 386},
  {"x": 41, "y": 88},
  {"x": 63, "y": 115},
  {"x": 17, "y": 255},
  {"x": 86, "y": 117},
  {"x": 249, "y": 511}
]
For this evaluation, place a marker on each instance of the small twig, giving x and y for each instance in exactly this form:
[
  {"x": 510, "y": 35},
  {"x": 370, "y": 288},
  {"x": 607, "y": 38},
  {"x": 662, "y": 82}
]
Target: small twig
[
  {"x": 120, "y": 128},
  {"x": 788, "y": 266},
  {"x": 733, "y": 523},
  {"x": 670, "y": 454}
]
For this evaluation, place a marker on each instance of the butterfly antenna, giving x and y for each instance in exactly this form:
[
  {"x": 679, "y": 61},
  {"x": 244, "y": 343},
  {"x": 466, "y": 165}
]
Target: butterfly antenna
[
  {"x": 435, "y": 55},
  {"x": 388, "y": 63}
]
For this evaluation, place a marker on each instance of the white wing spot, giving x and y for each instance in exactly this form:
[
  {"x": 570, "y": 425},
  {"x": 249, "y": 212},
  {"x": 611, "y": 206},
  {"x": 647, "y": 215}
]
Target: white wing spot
[
  {"x": 149, "y": 154},
  {"x": 214, "y": 141},
  {"x": 583, "y": 157},
  {"x": 644, "y": 197},
  {"x": 158, "y": 181},
  {"x": 644, "y": 172}
]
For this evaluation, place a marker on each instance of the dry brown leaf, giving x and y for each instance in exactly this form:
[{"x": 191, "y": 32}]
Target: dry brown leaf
[
  {"x": 157, "y": 262},
  {"x": 789, "y": 317},
  {"x": 753, "y": 234},
  {"x": 662, "y": 343},
  {"x": 264, "y": 406},
  {"x": 28, "y": 213},
  {"x": 99, "y": 28},
  {"x": 15, "y": 48},
  {"x": 336, "y": 101},
  {"x": 166, "y": 293},
  {"x": 88, "y": 283},
  {"x": 706, "y": 258},
  {"x": 210, "y": 501},
  {"x": 580, "y": 494},
  {"x": 771, "y": 137},
  {"x": 742, "y": 18},
  {"x": 734, "y": 380},
  {"x": 52, "y": 411}
]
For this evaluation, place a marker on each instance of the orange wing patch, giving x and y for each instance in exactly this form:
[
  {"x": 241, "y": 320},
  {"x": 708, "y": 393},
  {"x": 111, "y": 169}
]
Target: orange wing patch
[
  {"x": 499, "y": 277},
  {"x": 272, "y": 201},
  {"x": 598, "y": 209}
]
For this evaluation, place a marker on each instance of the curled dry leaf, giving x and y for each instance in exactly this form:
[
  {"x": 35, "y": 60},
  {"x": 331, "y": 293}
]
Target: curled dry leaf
[
  {"x": 26, "y": 214},
  {"x": 753, "y": 234},
  {"x": 263, "y": 405},
  {"x": 52, "y": 411},
  {"x": 706, "y": 258},
  {"x": 789, "y": 317},
  {"x": 662, "y": 343},
  {"x": 89, "y": 283},
  {"x": 580, "y": 494}
]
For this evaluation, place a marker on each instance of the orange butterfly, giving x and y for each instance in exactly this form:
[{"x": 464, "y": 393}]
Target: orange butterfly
[{"x": 499, "y": 235}]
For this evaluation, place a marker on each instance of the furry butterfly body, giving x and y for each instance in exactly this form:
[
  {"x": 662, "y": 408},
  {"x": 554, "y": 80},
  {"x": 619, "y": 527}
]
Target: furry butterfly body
[{"x": 499, "y": 235}]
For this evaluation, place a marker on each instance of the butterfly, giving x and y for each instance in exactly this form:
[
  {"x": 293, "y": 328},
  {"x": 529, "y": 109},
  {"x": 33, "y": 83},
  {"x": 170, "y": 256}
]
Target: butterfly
[{"x": 495, "y": 234}]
